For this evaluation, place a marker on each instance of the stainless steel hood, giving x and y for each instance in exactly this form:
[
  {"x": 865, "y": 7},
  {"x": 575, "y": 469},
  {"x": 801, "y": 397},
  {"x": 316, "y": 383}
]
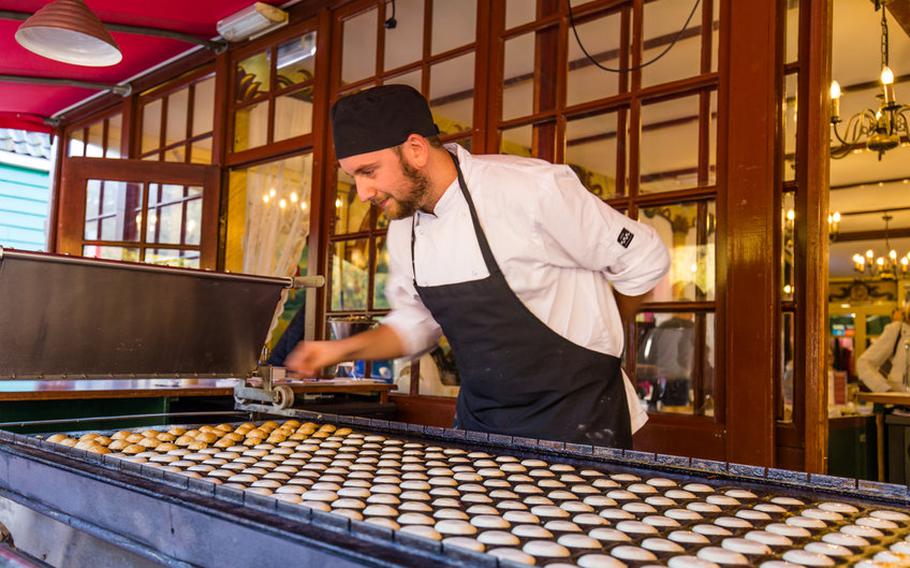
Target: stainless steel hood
[{"x": 71, "y": 317}]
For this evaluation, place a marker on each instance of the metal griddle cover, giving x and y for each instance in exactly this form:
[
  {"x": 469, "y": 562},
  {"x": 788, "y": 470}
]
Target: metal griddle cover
[{"x": 74, "y": 317}]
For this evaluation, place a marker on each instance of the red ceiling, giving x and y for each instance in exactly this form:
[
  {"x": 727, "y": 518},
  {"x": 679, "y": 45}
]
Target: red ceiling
[{"x": 23, "y": 106}]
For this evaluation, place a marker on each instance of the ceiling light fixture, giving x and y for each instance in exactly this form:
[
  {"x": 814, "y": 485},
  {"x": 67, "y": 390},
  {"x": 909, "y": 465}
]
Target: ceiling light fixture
[
  {"x": 879, "y": 130},
  {"x": 253, "y": 21},
  {"x": 887, "y": 267},
  {"x": 67, "y": 31}
]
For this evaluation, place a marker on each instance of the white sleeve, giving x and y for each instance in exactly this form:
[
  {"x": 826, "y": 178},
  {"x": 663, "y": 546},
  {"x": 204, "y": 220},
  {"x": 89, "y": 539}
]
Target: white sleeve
[
  {"x": 409, "y": 318},
  {"x": 869, "y": 363},
  {"x": 579, "y": 229}
]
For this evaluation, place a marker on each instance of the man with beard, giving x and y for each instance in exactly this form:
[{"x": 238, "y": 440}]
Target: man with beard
[{"x": 527, "y": 274}]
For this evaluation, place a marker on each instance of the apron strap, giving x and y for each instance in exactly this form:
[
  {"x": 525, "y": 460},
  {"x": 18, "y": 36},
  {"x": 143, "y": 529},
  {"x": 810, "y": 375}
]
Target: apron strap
[{"x": 485, "y": 250}]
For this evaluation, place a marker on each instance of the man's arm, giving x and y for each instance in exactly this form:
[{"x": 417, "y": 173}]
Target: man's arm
[
  {"x": 311, "y": 356},
  {"x": 628, "y": 305}
]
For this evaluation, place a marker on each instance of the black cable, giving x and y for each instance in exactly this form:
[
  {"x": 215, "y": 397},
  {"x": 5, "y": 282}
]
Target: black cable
[
  {"x": 637, "y": 67},
  {"x": 391, "y": 22}
]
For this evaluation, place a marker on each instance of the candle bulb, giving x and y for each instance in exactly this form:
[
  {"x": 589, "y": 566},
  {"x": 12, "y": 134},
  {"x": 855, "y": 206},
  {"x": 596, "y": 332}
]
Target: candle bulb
[
  {"x": 887, "y": 82},
  {"x": 835, "y": 99}
]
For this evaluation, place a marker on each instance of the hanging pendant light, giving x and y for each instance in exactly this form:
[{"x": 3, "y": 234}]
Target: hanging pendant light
[{"x": 67, "y": 31}]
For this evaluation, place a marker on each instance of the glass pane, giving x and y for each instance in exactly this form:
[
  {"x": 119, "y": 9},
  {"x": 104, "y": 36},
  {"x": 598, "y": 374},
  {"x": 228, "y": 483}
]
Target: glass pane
[
  {"x": 788, "y": 245},
  {"x": 114, "y": 133},
  {"x": 203, "y": 106},
  {"x": 452, "y": 94},
  {"x": 176, "y": 154},
  {"x": 381, "y": 275},
  {"x": 351, "y": 214},
  {"x": 787, "y": 360},
  {"x": 252, "y": 79},
  {"x": 601, "y": 39},
  {"x": 165, "y": 224},
  {"x": 516, "y": 141},
  {"x": 177, "y": 104},
  {"x": 404, "y": 42},
  {"x": 151, "y": 126},
  {"x": 520, "y": 12},
  {"x": 715, "y": 34},
  {"x": 251, "y": 126},
  {"x": 350, "y": 275},
  {"x": 294, "y": 114},
  {"x": 77, "y": 146},
  {"x": 111, "y": 253},
  {"x": 201, "y": 151},
  {"x": 296, "y": 61},
  {"x": 788, "y": 125},
  {"x": 518, "y": 77},
  {"x": 95, "y": 146},
  {"x": 792, "y": 48},
  {"x": 688, "y": 230},
  {"x": 358, "y": 52},
  {"x": 668, "y": 153},
  {"x": 173, "y": 257},
  {"x": 412, "y": 79},
  {"x": 591, "y": 152},
  {"x": 663, "y": 19},
  {"x": 268, "y": 216},
  {"x": 92, "y": 199},
  {"x": 119, "y": 204},
  {"x": 674, "y": 368},
  {"x": 454, "y": 24},
  {"x": 193, "y": 231}
]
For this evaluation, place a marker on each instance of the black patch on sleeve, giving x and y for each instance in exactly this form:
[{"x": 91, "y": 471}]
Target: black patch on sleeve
[{"x": 625, "y": 237}]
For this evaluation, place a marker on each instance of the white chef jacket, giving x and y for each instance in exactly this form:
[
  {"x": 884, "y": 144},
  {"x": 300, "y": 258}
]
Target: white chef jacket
[
  {"x": 894, "y": 340},
  {"x": 561, "y": 249}
]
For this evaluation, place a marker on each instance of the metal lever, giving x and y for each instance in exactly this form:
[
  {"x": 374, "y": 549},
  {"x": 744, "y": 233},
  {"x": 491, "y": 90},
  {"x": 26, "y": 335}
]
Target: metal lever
[{"x": 308, "y": 282}]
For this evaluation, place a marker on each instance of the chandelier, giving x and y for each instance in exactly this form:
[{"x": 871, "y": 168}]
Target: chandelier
[
  {"x": 878, "y": 130},
  {"x": 887, "y": 267}
]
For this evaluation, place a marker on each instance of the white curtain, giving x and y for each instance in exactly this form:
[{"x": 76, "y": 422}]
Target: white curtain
[{"x": 277, "y": 218}]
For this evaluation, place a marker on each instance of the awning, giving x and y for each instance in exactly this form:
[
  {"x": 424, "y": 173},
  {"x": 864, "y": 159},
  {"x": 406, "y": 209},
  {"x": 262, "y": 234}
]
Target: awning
[{"x": 25, "y": 106}]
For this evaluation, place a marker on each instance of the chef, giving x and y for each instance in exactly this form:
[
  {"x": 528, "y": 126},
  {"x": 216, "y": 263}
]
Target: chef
[{"x": 527, "y": 274}]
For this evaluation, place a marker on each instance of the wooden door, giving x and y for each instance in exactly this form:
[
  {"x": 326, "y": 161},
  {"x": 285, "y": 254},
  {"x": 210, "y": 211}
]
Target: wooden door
[{"x": 140, "y": 211}]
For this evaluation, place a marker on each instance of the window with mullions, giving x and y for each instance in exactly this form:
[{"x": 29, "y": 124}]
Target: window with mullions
[
  {"x": 177, "y": 125},
  {"x": 100, "y": 139},
  {"x": 116, "y": 213},
  {"x": 639, "y": 129},
  {"x": 273, "y": 93}
]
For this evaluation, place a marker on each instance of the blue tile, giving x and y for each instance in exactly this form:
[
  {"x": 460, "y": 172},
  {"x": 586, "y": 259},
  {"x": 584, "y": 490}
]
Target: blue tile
[
  {"x": 524, "y": 442},
  {"x": 786, "y": 475},
  {"x": 675, "y": 461},
  {"x": 176, "y": 479},
  {"x": 745, "y": 470},
  {"x": 612, "y": 454},
  {"x": 552, "y": 445},
  {"x": 294, "y": 511},
  {"x": 330, "y": 520},
  {"x": 831, "y": 481},
  {"x": 370, "y": 530},
  {"x": 641, "y": 457},
  {"x": 377, "y": 423},
  {"x": 892, "y": 490},
  {"x": 580, "y": 449},
  {"x": 467, "y": 557},
  {"x": 260, "y": 502},
  {"x": 418, "y": 542},
  {"x": 229, "y": 494},
  {"x": 455, "y": 433},
  {"x": 501, "y": 440},
  {"x": 201, "y": 486},
  {"x": 434, "y": 431},
  {"x": 477, "y": 436},
  {"x": 709, "y": 465}
]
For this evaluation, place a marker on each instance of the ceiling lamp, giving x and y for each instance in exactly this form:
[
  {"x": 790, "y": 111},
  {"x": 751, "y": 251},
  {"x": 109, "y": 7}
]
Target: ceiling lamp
[
  {"x": 885, "y": 267},
  {"x": 879, "y": 130},
  {"x": 67, "y": 31},
  {"x": 253, "y": 21}
]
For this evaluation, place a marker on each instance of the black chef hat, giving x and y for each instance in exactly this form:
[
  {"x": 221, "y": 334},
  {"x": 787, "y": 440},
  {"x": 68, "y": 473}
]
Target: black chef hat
[{"x": 379, "y": 118}]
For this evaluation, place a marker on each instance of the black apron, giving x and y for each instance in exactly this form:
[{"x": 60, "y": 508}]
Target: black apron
[{"x": 518, "y": 376}]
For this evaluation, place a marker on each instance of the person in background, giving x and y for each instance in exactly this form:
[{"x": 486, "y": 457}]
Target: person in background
[
  {"x": 884, "y": 365},
  {"x": 529, "y": 276},
  {"x": 291, "y": 337}
]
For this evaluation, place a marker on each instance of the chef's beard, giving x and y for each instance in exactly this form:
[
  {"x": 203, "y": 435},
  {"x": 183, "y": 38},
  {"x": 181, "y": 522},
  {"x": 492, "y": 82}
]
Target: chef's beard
[{"x": 415, "y": 194}]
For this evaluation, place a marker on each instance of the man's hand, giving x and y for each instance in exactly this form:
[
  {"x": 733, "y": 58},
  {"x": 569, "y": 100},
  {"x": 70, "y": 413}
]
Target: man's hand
[{"x": 309, "y": 357}]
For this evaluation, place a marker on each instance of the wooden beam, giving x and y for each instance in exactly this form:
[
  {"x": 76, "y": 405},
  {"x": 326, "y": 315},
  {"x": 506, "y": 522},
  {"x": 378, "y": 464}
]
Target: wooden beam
[
  {"x": 870, "y": 235},
  {"x": 900, "y": 11}
]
